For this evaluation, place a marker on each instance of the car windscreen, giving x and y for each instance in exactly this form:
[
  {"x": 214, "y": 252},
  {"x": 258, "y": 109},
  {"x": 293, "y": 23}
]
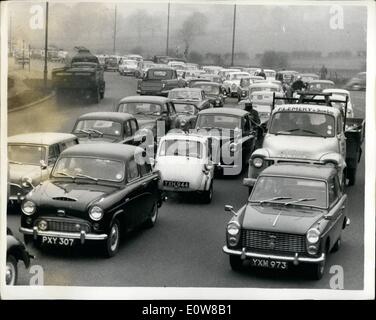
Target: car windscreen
[
  {"x": 129, "y": 62},
  {"x": 181, "y": 148},
  {"x": 218, "y": 121},
  {"x": 266, "y": 88},
  {"x": 245, "y": 82},
  {"x": 89, "y": 168},
  {"x": 185, "y": 94},
  {"x": 140, "y": 108},
  {"x": 302, "y": 124},
  {"x": 320, "y": 86},
  {"x": 269, "y": 73},
  {"x": 185, "y": 108},
  {"x": 290, "y": 189},
  {"x": 159, "y": 74},
  {"x": 237, "y": 76},
  {"x": 26, "y": 154},
  {"x": 99, "y": 127},
  {"x": 208, "y": 89}
]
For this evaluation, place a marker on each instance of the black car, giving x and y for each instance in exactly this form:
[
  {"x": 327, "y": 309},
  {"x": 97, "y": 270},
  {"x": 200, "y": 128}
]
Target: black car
[
  {"x": 214, "y": 92},
  {"x": 95, "y": 192},
  {"x": 187, "y": 114},
  {"x": 235, "y": 133},
  {"x": 111, "y": 64},
  {"x": 150, "y": 112},
  {"x": 115, "y": 127},
  {"x": 16, "y": 251}
]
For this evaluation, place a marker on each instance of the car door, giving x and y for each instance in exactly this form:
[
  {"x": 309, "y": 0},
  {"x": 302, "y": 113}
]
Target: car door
[
  {"x": 133, "y": 203},
  {"x": 128, "y": 132}
]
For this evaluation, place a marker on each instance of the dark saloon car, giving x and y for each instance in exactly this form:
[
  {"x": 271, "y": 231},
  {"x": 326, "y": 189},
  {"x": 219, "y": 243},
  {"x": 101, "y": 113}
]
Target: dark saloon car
[
  {"x": 115, "y": 127},
  {"x": 294, "y": 215},
  {"x": 150, "y": 112},
  {"x": 111, "y": 64},
  {"x": 187, "y": 114},
  {"x": 214, "y": 92},
  {"x": 234, "y": 131},
  {"x": 16, "y": 251},
  {"x": 95, "y": 192}
]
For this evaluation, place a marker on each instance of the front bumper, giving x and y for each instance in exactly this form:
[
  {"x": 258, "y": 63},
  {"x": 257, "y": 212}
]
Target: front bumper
[
  {"x": 82, "y": 235},
  {"x": 296, "y": 259}
]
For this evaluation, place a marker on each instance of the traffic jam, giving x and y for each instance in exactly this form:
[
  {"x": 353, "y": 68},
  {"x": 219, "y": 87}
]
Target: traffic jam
[{"x": 293, "y": 138}]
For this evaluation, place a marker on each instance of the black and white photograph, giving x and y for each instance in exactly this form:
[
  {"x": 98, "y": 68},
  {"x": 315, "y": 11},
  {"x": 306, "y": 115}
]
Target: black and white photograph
[{"x": 187, "y": 150}]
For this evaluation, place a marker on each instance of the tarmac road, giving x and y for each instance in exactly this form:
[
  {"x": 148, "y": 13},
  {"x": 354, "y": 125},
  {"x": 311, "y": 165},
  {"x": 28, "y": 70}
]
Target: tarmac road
[{"x": 184, "y": 249}]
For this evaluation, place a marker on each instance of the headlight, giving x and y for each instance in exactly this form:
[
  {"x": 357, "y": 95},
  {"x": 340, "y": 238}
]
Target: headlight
[
  {"x": 183, "y": 122},
  {"x": 257, "y": 162},
  {"x": 313, "y": 235},
  {"x": 28, "y": 207},
  {"x": 233, "y": 228},
  {"x": 96, "y": 213}
]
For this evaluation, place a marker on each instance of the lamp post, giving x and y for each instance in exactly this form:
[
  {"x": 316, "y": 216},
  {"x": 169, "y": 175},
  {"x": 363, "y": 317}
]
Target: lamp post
[
  {"x": 45, "y": 48},
  {"x": 233, "y": 37},
  {"x": 168, "y": 28},
  {"x": 114, "y": 44}
]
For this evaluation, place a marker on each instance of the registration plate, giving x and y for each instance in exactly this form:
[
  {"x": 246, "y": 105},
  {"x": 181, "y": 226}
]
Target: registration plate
[
  {"x": 176, "y": 184},
  {"x": 58, "y": 241},
  {"x": 267, "y": 263}
]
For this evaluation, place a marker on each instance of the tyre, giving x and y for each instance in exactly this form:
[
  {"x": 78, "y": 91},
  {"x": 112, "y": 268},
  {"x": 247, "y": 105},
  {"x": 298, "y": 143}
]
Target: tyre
[
  {"x": 337, "y": 245},
  {"x": 236, "y": 263},
  {"x": 152, "y": 219},
  {"x": 11, "y": 272},
  {"x": 111, "y": 244},
  {"x": 351, "y": 175},
  {"x": 207, "y": 196}
]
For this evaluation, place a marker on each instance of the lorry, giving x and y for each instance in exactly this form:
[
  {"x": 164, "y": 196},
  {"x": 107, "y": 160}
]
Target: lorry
[
  {"x": 311, "y": 129},
  {"x": 83, "y": 76}
]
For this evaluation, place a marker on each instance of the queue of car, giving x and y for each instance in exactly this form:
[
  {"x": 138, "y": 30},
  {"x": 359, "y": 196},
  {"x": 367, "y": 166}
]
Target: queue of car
[{"x": 85, "y": 190}]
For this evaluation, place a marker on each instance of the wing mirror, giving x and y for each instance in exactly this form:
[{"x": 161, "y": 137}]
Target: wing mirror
[
  {"x": 43, "y": 164},
  {"x": 229, "y": 208},
  {"x": 249, "y": 182}
]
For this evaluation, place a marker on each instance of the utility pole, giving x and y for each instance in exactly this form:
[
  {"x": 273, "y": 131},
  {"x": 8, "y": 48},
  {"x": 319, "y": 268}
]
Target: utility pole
[
  {"x": 168, "y": 28},
  {"x": 233, "y": 36},
  {"x": 114, "y": 46},
  {"x": 23, "y": 54},
  {"x": 29, "y": 56},
  {"x": 10, "y": 36},
  {"x": 45, "y": 47}
]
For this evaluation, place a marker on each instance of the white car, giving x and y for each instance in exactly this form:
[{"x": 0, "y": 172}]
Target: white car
[
  {"x": 177, "y": 65},
  {"x": 232, "y": 82},
  {"x": 129, "y": 67},
  {"x": 264, "y": 86},
  {"x": 224, "y": 72},
  {"x": 212, "y": 69},
  {"x": 341, "y": 94},
  {"x": 185, "y": 164}
]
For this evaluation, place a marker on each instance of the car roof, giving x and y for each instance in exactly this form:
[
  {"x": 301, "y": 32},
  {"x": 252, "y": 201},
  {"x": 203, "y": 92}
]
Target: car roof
[
  {"x": 184, "y": 136},
  {"x": 111, "y": 116},
  {"x": 186, "y": 89},
  {"x": 41, "y": 138},
  {"x": 335, "y": 90},
  {"x": 228, "y": 111},
  {"x": 305, "y": 107},
  {"x": 255, "y": 93},
  {"x": 147, "y": 99},
  {"x": 300, "y": 170},
  {"x": 210, "y": 83},
  {"x": 161, "y": 69},
  {"x": 264, "y": 84},
  {"x": 122, "y": 152},
  {"x": 321, "y": 81}
]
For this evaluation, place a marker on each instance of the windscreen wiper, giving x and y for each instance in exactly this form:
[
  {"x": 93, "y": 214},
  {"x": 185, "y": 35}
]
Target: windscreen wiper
[{"x": 80, "y": 175}]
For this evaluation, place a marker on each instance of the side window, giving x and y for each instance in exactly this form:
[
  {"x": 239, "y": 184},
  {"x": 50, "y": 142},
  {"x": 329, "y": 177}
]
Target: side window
[
  {"x": 133, "y": 126},
  {"x": 333, "y": 191},
  {"x": 127, "y": 129},
  {"x": 132, "y": 172},
  {"x": 53, "y": 154},
  {"x": 145, "y": 169}
]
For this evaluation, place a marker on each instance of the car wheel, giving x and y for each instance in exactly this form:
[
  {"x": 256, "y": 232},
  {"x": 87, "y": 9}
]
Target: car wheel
[
  {"x": 236, "y": 263},
  {"x": 113, "y": 239},
  {"x": 152, "y": 219},
  {"x": 351, "y": 175},
  {"x": 337, "y": 245},
  {"x": 11, "y": 271},
  {"x": 207, "y": 196}
]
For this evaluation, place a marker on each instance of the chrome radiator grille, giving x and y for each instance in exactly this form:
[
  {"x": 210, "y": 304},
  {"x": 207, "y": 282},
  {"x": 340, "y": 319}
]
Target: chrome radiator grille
[
  {"x": 65, "y": 226},
  {"x": 273, "y": 241}
]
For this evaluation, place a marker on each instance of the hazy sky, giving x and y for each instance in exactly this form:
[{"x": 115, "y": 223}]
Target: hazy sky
[{"x": 258, "y": 28}]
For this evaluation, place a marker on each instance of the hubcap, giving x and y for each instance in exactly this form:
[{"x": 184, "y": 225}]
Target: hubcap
[
  {"x": 10, "y": 273},
  {"x": 154, "y": 215},
  {"x": 114, "y": 237}
]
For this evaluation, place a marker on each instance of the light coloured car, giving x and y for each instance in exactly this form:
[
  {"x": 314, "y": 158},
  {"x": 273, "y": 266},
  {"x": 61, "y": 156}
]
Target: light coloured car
[
  {"x": 252, "y": 71},
  {"x": 262, "y": 102},
  {"x": 264, "y": 86},
  {"x": 31, "y": 158},
  {"x": 341, "y": 94},
  {"x": 308, "y": 77},
  {"x": 224, "y": 72},
  {"x": 232, "y": 82},
  {"x": 177, "y": 65},
  {"x": 130, "y": 67},
  {"x": 184, "y": 162},
  {"x": 270, "y": 74},
  {"x": 136, "y": 57},
  {"x": 212, "y": 69}
]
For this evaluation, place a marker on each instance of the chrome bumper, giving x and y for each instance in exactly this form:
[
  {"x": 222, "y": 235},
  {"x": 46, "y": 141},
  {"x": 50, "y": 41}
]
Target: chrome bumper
[
  {"x": 70, "y": 235},
  {"x": 295, "y": 259}
]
